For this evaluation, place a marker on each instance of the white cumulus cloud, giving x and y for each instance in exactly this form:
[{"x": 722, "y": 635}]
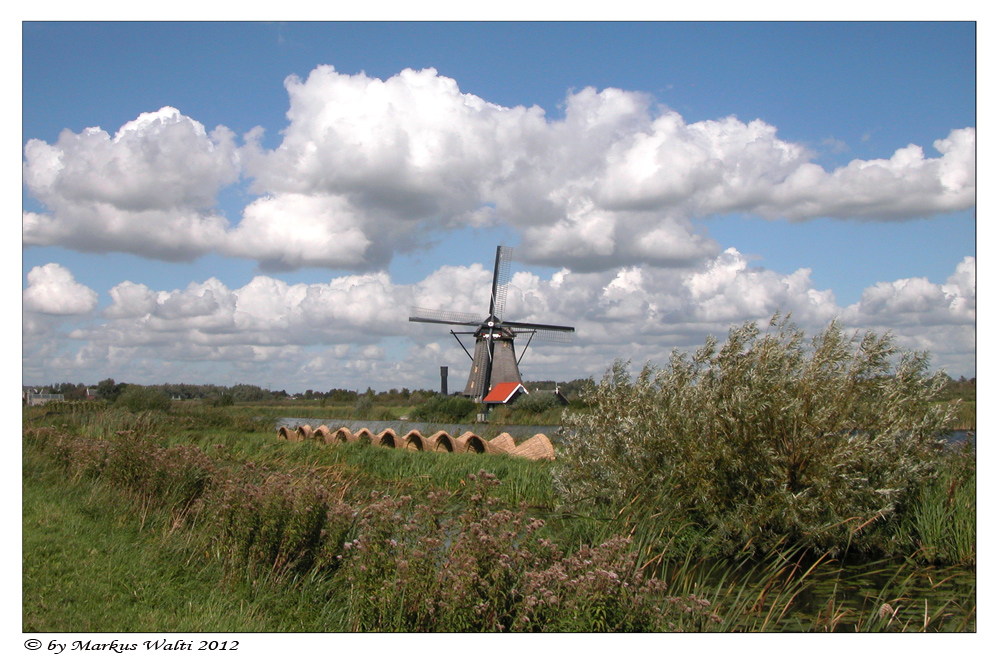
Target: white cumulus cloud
[
  {"x": 53, "y": 290},
  {"x": 367, "y": 166},
  {"x": 354, "y": 328},
  {"x": 149, "y": 190}
]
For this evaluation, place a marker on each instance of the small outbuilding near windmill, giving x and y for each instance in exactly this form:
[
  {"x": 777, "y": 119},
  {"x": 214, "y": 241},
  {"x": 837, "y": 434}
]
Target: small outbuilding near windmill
[{"x": 505, "y": 393}]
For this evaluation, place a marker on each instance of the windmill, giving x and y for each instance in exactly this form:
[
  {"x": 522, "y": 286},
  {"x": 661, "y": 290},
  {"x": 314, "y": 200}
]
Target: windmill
[{"x": 494, "y": 360}]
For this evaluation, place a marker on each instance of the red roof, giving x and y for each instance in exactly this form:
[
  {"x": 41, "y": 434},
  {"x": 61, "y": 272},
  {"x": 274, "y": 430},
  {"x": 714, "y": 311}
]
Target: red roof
[{"x": 503, "y": 392}]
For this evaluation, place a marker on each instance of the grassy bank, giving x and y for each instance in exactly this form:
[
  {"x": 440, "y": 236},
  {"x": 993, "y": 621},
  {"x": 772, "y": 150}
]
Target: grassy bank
[{"x": 179, "y": 529}]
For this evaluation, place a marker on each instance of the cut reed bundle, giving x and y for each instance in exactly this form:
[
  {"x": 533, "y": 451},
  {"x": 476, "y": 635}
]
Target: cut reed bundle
[
  {"x": 322, "y": 434},
  {"x": 501, "y": 444},
  {"x": 537, "y": 447},
  {"x": 344, "y": 435},
  {"x": 442, "y": 442},
  {"x": 367, "y": 437},
  {"x": 414, "y": 440},
  {"x": 469, "y": 442}
]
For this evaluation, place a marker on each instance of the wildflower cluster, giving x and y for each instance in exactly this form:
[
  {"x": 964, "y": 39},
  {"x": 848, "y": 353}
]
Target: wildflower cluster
[
  {"x": 274, "y": 524},
  {"x": 420, "y": 566}
]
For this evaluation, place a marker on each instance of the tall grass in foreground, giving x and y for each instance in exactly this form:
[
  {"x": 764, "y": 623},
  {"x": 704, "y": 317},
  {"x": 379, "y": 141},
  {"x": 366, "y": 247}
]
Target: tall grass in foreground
[
  {"x": 943, "y": 514},
  {"x": 297, "y": 532},
  {"x": 469, "y": 564},
  {"x": 455, "y": 562},
  {"x": 95, "y": 561}
]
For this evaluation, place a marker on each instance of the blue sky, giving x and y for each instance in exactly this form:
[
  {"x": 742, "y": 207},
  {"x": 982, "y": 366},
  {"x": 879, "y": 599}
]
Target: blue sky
[{"x": 705, "y": 180}]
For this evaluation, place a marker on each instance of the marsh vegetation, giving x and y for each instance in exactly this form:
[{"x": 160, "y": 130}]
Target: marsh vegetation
[{"x": 765, "y": 483}]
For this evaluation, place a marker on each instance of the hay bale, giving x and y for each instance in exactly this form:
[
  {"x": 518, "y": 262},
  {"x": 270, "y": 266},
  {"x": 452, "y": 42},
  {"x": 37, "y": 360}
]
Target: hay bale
[
  {"x": 414, "y": 440},
  {"x": 441, "y": 442},
  {"x": 344, "y": 435},
  {"x": 322, "y": 434},
  {"x": 501, "y": 444},
  {"x": 389, "y": 439},
  {"x": 285, "y": 434},
  {"x": 535, "y": 448},
  {"x": 367, "y": 437},
  {"x": 469, "y": 442}
]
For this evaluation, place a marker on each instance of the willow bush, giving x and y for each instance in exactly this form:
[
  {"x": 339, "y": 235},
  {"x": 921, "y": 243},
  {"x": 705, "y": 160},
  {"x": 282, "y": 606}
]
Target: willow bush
[
  {"x": 766, "y": 440},
  {"x": 137, "y": 398},
  {"x": 444, "y": 409}
]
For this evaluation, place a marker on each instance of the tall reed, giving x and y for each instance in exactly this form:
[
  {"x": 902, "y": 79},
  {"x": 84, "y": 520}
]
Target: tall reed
[{"x": 942, "y": 519}]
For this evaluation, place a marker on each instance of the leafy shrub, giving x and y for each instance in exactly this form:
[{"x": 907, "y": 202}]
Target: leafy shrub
[
  {"x": 222, "y": 400},
  {"x": 536, "y": 403},
  {"x": 363, "y": 406},
  {"x": 143, "y": 398},
  {"x": 763, "y": 441},
  {"x": 444, "y": 409}
]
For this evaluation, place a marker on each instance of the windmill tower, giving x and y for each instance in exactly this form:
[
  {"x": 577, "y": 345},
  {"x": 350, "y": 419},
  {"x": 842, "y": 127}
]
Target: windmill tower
[{"x": 494, "y": 360}]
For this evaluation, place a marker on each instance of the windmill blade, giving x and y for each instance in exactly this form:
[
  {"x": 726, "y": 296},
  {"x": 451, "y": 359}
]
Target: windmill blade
[
  {"x": 546, "y": 335},
  {"x": 501, "y": 277},
  {"x": 540, "y": 327},
  {"x": 438, "y": 316}
]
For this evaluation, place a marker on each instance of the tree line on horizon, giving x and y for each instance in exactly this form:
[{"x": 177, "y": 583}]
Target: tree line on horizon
[{"x": 108, "y": 389}]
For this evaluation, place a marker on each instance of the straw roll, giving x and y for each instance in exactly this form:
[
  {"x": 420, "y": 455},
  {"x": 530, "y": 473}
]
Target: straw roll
[
  {"x": 535, "y": 448},
  {"x": 469, "y": 442},
  {"x": 441, "y": 442},
  {"x": 501, "y": 444},
  {"x": 389, "y": 439}
]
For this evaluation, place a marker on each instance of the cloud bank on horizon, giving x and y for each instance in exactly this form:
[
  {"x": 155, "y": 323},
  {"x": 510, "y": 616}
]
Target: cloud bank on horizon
[{"x": 367, "y": 169}]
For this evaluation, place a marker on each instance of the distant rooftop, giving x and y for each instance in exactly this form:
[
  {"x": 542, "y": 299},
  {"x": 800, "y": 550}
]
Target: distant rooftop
[{"x": 503, "y": 392}]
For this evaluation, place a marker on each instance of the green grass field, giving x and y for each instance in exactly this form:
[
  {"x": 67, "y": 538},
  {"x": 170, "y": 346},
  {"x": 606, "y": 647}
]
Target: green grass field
[{"x": 197, "y": 519}]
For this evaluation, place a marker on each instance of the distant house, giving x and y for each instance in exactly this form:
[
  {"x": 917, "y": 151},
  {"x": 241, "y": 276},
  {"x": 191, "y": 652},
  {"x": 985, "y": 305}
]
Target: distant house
[
  {"x": 505, "y": 393},
  {"x": 559, "y": 396},
  {"x": 33, "y": 399}
]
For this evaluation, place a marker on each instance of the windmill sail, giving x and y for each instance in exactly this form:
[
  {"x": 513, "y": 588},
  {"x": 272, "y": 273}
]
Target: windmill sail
[
  {"x": 545, "y": 335},
  {"x": 501, "y": 277},
  {"x": 418, "y": 314}
]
